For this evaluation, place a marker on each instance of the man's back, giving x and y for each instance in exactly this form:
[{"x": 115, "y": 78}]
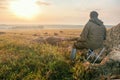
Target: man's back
[{"x": 96, "y": 35}]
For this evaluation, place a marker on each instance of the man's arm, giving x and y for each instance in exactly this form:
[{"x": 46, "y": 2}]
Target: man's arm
[{"x": 84, "y": 34}]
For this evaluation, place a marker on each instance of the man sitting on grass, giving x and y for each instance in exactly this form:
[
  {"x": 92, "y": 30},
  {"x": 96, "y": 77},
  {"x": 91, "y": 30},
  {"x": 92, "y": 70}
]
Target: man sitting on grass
[{"x": 92, "y": 36}]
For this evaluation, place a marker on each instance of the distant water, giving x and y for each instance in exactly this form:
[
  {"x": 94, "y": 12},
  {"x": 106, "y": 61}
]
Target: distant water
[
  {"x": 45, "y": 26},
  {"x": 63, "y": 26},
  {"x": 68, "y": 26}
]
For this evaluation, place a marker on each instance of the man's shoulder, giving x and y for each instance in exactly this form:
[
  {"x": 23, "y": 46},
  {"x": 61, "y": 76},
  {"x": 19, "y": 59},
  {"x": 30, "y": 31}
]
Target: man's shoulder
[{"x": 89, "y": 23}]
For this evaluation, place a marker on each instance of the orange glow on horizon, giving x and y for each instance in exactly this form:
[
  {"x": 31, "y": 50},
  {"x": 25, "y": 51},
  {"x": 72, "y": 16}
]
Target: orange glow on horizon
[{"x": 26, "y": 9}]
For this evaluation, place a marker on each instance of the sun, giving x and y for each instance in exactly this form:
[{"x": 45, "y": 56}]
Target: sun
[{"x": 24, "y": 8}]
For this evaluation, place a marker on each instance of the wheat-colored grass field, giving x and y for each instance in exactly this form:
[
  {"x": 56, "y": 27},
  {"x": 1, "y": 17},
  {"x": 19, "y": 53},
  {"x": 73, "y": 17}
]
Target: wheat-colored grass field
[
  {"x": 22, "y": 58},
  {"x": 42, "y": 54}
]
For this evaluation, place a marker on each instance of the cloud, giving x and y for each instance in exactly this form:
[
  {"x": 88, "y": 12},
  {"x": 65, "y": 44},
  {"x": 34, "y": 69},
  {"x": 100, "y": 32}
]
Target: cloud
[
  {"x": 42, "y": 3},
  {"x": 3, "y": 4},
  {"x": 2, "y": 7}
]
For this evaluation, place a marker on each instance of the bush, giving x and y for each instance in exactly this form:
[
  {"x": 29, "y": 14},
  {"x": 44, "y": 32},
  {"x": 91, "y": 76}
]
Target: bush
[{"x": 37, "y": 62}]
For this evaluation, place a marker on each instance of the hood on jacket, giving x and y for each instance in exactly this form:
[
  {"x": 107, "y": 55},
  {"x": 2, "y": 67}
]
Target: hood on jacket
[{"x": 94, "y": 18}]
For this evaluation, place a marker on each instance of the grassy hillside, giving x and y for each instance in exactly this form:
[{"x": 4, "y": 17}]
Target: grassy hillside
[
  {"x": 22, "y": 59},
  {"x": 26, "y": 55}
]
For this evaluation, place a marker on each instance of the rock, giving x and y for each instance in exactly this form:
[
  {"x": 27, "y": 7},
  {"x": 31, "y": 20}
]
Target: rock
[
  {"x": 115, "y": 54},
  {"x": 113, "y": 37},
  {"x": 40, "y": 40},
  {"x": 113, "y": 43},
  {"x": 53, "y": 40},
  {"x": 56, "y": 34},
  {"x": 2, "y": 32},
  {"x": 61, "y": 31},
  {"x": 110, "y": 66},
  {"x": 46, "y": 33},
  {"x": 35, "y": 35}
]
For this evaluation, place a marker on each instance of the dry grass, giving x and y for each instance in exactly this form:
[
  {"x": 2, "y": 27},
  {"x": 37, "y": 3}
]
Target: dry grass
[{"x": 23, "y": 59}]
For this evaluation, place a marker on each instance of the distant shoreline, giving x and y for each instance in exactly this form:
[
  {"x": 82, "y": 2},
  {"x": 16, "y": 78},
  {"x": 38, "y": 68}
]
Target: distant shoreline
[{"x": 25, "y": 27}]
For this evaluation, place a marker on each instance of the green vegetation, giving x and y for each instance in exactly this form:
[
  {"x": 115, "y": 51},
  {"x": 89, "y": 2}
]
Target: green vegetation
[
  {"x": 23, "y": 58},
  {"x": 20, "y": 60}
]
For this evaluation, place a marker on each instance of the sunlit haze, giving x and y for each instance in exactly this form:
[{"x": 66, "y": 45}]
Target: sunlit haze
[
  {"x": 58, "y": 11},
  {"x": 24, "y": 8}
]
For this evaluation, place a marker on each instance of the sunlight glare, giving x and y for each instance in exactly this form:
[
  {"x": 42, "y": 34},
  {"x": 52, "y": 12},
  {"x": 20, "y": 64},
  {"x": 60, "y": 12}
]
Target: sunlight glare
[{"x": 25, "y": 8}]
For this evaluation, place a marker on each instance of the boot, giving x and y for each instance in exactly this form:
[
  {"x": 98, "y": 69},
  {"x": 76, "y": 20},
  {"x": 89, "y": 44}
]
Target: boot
[{"x": 73, "y": 54}]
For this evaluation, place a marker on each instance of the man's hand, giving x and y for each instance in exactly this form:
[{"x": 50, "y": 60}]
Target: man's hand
[{"x": 80, "y": 40}]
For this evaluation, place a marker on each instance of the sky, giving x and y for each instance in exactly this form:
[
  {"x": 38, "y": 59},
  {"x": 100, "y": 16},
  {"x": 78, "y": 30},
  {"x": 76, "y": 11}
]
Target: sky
[{"x": 74, "y": 12}]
